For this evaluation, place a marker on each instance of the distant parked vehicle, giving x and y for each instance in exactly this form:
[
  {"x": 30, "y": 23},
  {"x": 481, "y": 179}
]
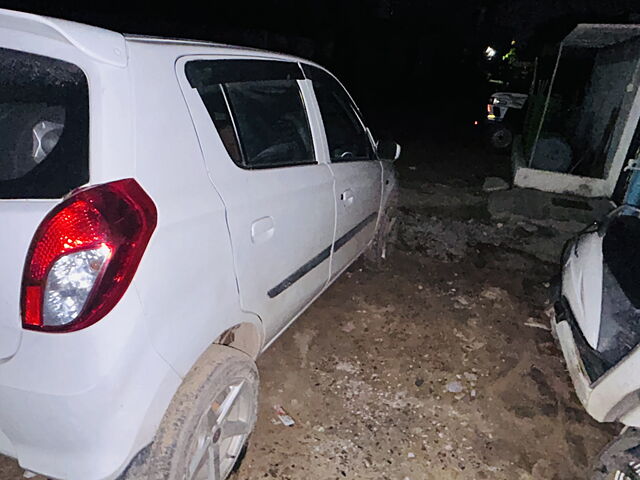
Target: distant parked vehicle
[
  {"x": 505, "y": 113},
  {"x": 169, "y": 208}
]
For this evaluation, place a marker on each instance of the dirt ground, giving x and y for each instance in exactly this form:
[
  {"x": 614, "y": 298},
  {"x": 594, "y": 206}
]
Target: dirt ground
[{"x": 427, "y": 369}]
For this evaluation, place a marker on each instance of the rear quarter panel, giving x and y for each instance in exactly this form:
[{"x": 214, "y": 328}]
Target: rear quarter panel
[{"x": 186, "y": 280}]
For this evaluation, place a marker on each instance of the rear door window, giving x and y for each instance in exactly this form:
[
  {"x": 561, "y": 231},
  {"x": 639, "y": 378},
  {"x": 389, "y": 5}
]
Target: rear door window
[
  {"x": 257, "y": 109},
  {"x": 44, "y": 126}
]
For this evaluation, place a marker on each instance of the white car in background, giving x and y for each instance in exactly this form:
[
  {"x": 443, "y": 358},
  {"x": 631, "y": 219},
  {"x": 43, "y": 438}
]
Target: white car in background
[{"x": 169, "y": 208}]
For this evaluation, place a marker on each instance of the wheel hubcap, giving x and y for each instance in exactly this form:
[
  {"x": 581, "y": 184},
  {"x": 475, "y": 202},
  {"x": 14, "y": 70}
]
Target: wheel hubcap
[
  {"x": 618, "y": 475},
  {"x": 630, "y": 473},
  {"x": 221, "y": 434}
]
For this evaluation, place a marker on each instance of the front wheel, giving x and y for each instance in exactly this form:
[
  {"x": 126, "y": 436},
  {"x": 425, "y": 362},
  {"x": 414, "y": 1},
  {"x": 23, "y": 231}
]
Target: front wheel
[
  {"x": 385, "y": 237},
  {"x": 206, "y": 427}
]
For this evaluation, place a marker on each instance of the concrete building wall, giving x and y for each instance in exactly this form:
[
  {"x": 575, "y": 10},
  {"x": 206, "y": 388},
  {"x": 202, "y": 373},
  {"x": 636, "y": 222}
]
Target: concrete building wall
[
  {"x": 606, "y": 121},
  {"x": 605, "y": 109}
]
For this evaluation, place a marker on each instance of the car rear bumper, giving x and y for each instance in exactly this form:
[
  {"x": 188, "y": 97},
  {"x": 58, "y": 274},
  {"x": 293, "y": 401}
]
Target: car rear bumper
[{"x": 81, "y": 405}]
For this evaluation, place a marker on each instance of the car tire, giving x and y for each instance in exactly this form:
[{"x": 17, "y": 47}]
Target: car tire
[
  {"x": 208, "y": 422},
  {"x": 620, "y": 459},
  {"x": 385, "y": 237},
  {"x": 500, "y": 138}
]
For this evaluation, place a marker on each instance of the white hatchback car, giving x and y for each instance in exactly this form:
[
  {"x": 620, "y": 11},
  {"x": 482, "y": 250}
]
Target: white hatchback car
[{"x": 169, "y": 208}]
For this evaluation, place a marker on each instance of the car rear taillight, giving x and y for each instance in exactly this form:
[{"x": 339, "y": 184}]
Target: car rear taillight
[{"x": 84, "y": 254}]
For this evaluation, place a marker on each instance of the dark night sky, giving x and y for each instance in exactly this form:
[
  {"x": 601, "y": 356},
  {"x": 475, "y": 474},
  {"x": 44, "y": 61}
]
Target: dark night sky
[{"x": 419, "y": 56}]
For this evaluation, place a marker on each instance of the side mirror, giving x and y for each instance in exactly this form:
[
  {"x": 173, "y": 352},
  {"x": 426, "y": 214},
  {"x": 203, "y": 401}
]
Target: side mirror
[{"x": 388, "y": 150}]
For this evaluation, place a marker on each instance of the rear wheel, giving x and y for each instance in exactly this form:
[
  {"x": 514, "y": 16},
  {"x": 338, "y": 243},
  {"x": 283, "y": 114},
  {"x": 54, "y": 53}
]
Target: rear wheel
[
  {"x": 500, "y": 138},
  {"x": 620, "y": 459},
  {"x": 205, "y": 430}
]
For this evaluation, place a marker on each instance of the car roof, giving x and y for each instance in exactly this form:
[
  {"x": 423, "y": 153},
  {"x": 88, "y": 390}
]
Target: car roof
[
  {"x": 110, "y": 47},
  {"x": 204, "y": 46}
]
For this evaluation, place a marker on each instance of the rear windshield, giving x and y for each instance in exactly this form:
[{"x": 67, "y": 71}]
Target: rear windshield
[{"x": 44, "y": 126}]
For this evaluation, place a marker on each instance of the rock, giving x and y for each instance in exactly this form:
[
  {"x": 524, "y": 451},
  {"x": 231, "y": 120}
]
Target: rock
[
  {"x": 462, "y": 301},
  {"x": 494, "y": 293},
  {"x": 494, "y": 184},
  {"x": 528, "y": 227},
  {"x": 455, "y": 387},
  {"x": 531, "y": 322},
  {"x": 472, "y": 377},
  {"x": 419, "y": 382},
  {"x": 348, "y": 327},
  {"x": 542, "y": 469}
]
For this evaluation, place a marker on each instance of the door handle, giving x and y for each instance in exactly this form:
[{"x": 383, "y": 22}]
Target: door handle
[
  {"x": 347, "y": 197},
  {"x": 262, "y": 229}
]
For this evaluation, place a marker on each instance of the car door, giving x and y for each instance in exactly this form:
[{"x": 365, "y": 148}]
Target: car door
[
  {"x": 357, "y": 172},
  {"x": 259, "y": 146}
]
